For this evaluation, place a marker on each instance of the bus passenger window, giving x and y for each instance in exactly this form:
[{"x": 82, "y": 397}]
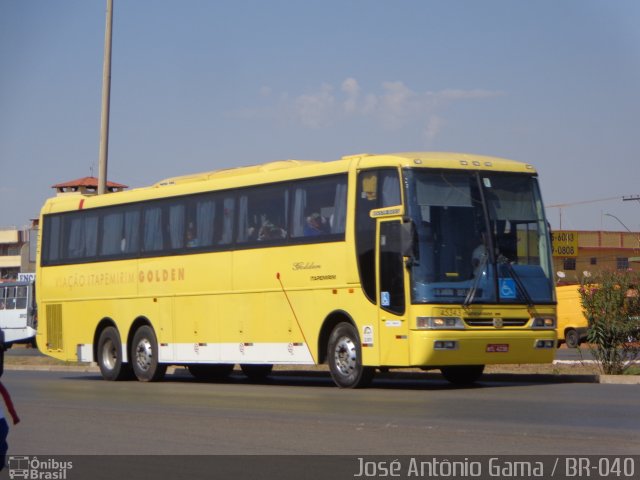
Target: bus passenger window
[
  {"x": 319, "y": 207},
  {"x": 200, "y": 230},
  {"x": 152, "y": 239},
  {"x": 262, "y": 215},
  {"x": 176, "y": 226},
  {"x": 228, "y": 213}
]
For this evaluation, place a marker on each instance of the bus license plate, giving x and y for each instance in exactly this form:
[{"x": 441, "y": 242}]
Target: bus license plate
[{"x": 497, "y": 348}]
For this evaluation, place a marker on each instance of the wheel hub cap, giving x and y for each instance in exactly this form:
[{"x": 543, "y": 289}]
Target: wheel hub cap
[
  {"x": 144, "y": 354},
  {"x": 345, "y": 356}
]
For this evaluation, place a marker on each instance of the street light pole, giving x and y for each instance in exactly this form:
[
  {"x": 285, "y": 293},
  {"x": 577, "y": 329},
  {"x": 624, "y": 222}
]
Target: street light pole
[
  {"x": 613, "y": 216},
  {"x": 106, "y": 94}
]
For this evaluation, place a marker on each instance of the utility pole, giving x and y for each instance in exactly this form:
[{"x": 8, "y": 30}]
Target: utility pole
[
  {"x": 631, "y": 197},
  {"x": 106, "y": 94}
]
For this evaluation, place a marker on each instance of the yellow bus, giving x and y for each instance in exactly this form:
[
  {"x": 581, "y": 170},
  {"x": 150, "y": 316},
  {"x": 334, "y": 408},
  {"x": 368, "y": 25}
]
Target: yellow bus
[{"x": 428, "y": 260}]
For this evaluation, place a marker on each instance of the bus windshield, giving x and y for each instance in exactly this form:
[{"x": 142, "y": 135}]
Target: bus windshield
[{"x": 481, "y": 238}]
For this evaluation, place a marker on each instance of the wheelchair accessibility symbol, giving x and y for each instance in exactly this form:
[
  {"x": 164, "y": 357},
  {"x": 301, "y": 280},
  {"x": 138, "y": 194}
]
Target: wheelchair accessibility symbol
[{"x": 507, "y": 288}]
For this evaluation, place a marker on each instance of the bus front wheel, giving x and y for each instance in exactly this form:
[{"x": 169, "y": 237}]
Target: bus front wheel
[
  {"x": 109, "y": 353},
  {"x": 344, "y": 354},
  {"x": 144, "y": 356}
]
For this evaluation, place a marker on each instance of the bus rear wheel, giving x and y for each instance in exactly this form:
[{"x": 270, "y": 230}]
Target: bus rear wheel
[
  {"x": 144, "y": 356},
  {"x": 462, "y": 374},
  {"x": 109, "y": 356},
  {"x": 344, "y": 354}
]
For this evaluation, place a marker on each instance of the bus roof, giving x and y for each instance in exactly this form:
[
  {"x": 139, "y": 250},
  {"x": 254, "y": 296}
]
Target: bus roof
[{"x": 282, "y": 171}]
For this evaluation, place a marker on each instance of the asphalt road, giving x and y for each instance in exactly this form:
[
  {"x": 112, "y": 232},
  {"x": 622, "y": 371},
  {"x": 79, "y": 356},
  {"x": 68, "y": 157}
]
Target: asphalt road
[{"x": 67, "y": 413}]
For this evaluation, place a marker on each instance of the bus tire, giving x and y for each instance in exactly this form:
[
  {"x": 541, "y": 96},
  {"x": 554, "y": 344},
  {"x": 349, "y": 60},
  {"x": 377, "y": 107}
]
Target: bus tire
[
  {"x": 344, "y": 354},
  {"x": 144, "y": 356},
  {"x": 215, "y": 371},
  {"x": 572, "y": 338},
  {"x": 109, "y": 356},
  {"x": 462, "y": 374},
  {"x": 256, "y": 372}
]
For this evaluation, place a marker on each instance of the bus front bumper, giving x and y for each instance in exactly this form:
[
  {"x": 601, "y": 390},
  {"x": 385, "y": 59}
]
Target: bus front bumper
[{"x": 475, "y": 347}]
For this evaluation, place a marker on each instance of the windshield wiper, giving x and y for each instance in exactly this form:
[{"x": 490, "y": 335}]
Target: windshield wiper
[
  {"x": 502, "y": 260},
  {"x": 476, "y": 280}
]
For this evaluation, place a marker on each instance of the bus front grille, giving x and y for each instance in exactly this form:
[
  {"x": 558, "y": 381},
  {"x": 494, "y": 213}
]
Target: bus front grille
[
  {"x": 54, "y": 326},
  {"x": 490, "y": 322}
]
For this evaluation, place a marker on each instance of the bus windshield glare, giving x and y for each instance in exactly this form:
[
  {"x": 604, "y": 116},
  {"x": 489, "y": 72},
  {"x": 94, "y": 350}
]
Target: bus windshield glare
[{"x": 481, "y": 238}]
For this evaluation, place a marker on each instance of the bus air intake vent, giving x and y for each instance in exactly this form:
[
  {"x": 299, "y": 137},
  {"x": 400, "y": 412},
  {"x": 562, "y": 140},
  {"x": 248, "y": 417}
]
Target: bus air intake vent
[
  {"x": 54, "y": 327},
  {"x": 489, "y": 322}
]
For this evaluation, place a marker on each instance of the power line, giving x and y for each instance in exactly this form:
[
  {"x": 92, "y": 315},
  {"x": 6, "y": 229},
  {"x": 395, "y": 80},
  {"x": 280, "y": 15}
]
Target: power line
[{"x": 584, "y": 202}]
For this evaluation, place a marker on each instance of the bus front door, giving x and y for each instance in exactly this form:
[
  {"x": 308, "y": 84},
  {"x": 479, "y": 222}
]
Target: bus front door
[{"x": 391, "y": 280}]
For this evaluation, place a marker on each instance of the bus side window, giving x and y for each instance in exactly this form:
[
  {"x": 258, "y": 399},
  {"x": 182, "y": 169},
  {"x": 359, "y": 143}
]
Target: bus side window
[
  {"x": 319, "y": 207},
  {"x": 152, "y": 238},
  {"x": 82, "y": 236},
  {"x": 112, "y": 235},
  {"x": 21, "y": 298},
  {"x": 226, "y": 217},
  {"x": 262, "y": 215},
  {"x": 176, "y": 226},
  {"x": 10, "y": 300},
  {"x": 200, "y": 224}
]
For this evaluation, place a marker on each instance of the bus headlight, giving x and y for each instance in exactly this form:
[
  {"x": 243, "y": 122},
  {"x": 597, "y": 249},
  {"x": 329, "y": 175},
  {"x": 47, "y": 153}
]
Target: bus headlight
[
  {"x": 548, "y": 322},
  {"x": 439, "y": 323}
]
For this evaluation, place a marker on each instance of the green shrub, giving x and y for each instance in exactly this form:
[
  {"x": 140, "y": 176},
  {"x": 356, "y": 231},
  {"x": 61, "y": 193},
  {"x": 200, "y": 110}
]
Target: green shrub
[{"x": 612, "y": 306}]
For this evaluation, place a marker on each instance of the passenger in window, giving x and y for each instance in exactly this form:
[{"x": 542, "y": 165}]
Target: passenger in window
[
  {"x": 269, "y": 231},
  {"x": 192, "y": 240},
  {"x": 315, "y": 225}
]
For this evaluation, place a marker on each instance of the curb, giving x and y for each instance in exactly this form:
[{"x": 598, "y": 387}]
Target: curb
[{"x": 620, "y": 379}]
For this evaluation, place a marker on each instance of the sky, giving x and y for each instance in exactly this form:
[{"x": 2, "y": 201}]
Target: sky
[{"x": 202, "y": 84}]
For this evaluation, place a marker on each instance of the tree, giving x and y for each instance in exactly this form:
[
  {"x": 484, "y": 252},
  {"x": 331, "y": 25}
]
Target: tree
[{"x": 611, "y": 304}]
